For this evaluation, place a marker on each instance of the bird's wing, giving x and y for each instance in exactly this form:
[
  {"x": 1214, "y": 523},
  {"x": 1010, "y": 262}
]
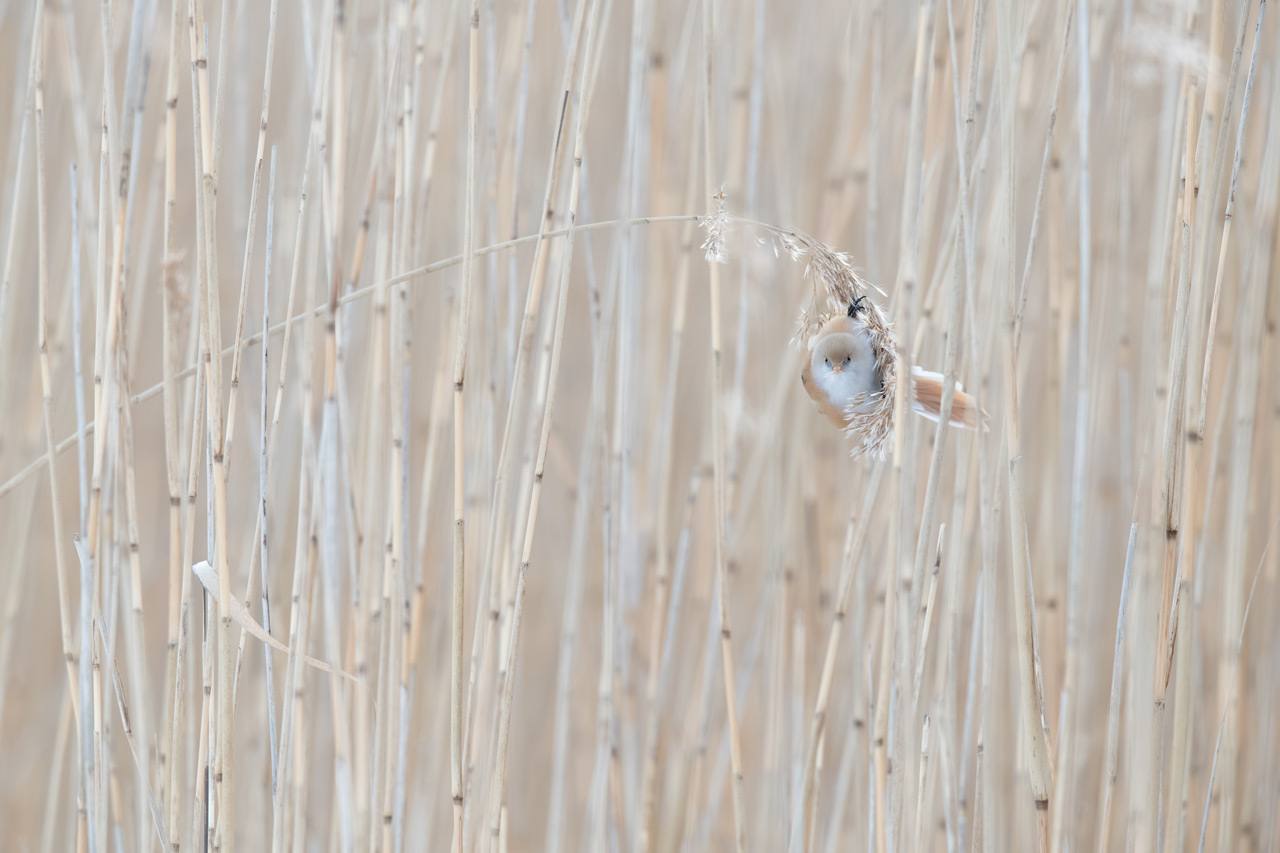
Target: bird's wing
[{"x": 927, "y": 400}]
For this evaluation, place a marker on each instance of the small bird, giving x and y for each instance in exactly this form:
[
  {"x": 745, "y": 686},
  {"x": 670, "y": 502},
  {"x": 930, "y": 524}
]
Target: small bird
[{"x": 844, "y": 375}]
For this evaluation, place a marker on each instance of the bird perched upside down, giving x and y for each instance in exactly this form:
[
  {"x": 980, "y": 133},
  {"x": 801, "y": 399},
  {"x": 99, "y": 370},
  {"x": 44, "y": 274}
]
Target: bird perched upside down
[{"x": 843, "y": 375}]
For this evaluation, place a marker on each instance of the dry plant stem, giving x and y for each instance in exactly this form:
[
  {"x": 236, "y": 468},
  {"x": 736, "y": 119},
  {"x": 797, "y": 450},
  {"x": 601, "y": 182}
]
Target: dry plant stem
[
  {"x": 137, "y": 725},
  {"x": 1191, "y": 540},
  {"x": 1182, "y": 460},
  {"x": 516, "y": 158},
  {"x": 1233, "y": 689},
  {"x": 1081, "y": 440},
  {"x": 395, "y": 588},
  {"x": 1232, "y": 698},
  {"x": 591, "y": 450},
  {"x": 662, "y": 583},
  {"x": 1179, "y": 615},
  {"x": 263, "y": 468},
  {"x": 612, "y": 811},
  {"x": 107, "y": 301},
  {"x": 1174, "y": 827},
  {"x": 290, "y": 788},
  {"x": 250, "y": 228},
  {"x": 805, "y": 804},
  {"x": 187, "y": 525},
  {"x": 1172, "y": 445},
  {"x": 211, "y": 322},
  {"x": 333, "y": 438},
  {"x": 1228, "y": 211},
  {"x": 20, "y": 525},
  {"x": 690, "y": 784},
  {"x": 594, "y": 451},
  {"x": 547, "y": 393},
  {"x": 42, "y": 348},
  {"x": 283, "y": 798},
  {"x": 1111, "y": 751},
  {"x": 281, "y": 801},
  {"x": 354, "y": 295},
  {"x": 254, "y": 559},
  {"x": 482, "y": 639},
  {"x": 963, "y": 277},
  {"x": 721, "y": 769},
  {"x": 880, "y": 755},
  {"x": 842, "y": 796},
  {"x": 749, "y": 109},
  {"x": 65, "y": 722},
  {"x": 6, "y": 274},
  {"x": 171, "y": 417},
  {"x": 737, "y": 783},
  {"x": 204, "y": 792},
  {"x": 977, "y": 717},
  {"x": 439, "y": 393},
  {"x": 529, "y": 323},
  {"x": 88, "y": 795},
  {"x": 289, "y": 799},
  {"x": 458, "y": 611},
  {"x": 1034, "y": 230},
  {"x": 77, "y": 347},
  {"x": 1031, "y": 702},
  {"x": 962, "y": 297},
  {"x": 907, "y": 296}
]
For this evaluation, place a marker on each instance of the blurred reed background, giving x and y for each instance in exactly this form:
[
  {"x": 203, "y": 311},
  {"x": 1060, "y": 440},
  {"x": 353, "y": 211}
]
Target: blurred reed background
[{"x": 291, "y": 293}]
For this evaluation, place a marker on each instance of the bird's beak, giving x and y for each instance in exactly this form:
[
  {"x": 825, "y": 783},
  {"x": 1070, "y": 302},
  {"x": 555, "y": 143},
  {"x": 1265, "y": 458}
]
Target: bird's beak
[{"x": 837, "y": 368}]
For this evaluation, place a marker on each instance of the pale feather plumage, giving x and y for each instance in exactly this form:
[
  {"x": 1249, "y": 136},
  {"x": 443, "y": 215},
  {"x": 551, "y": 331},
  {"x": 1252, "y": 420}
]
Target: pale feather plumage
[
  {"x": 841, "y": 373},
  {"x": 927, "y": 399},
  {"x": 845, "y": 371},
  {"x": 862, "y": 403}
]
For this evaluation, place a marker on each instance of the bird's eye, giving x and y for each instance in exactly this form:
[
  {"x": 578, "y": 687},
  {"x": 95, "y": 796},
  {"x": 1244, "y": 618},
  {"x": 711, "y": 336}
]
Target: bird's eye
[
  {"x": 847, "y": 359},
  {"x": 828, "y": 361}
]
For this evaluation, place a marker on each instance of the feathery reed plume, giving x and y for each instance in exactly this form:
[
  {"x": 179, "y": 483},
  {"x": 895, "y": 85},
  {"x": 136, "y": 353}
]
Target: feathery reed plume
[{"x": 834, "y": 285}]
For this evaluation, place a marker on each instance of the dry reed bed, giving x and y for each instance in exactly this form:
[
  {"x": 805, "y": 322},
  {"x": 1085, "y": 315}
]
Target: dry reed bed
[{"x": 451, "y": 341}]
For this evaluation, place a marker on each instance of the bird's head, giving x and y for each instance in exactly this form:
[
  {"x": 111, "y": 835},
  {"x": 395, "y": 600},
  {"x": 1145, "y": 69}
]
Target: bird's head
[{"x": 834, "y": 352}]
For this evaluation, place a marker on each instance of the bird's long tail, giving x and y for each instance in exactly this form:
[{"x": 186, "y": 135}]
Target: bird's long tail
[{"x": 927, "y": 400}]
